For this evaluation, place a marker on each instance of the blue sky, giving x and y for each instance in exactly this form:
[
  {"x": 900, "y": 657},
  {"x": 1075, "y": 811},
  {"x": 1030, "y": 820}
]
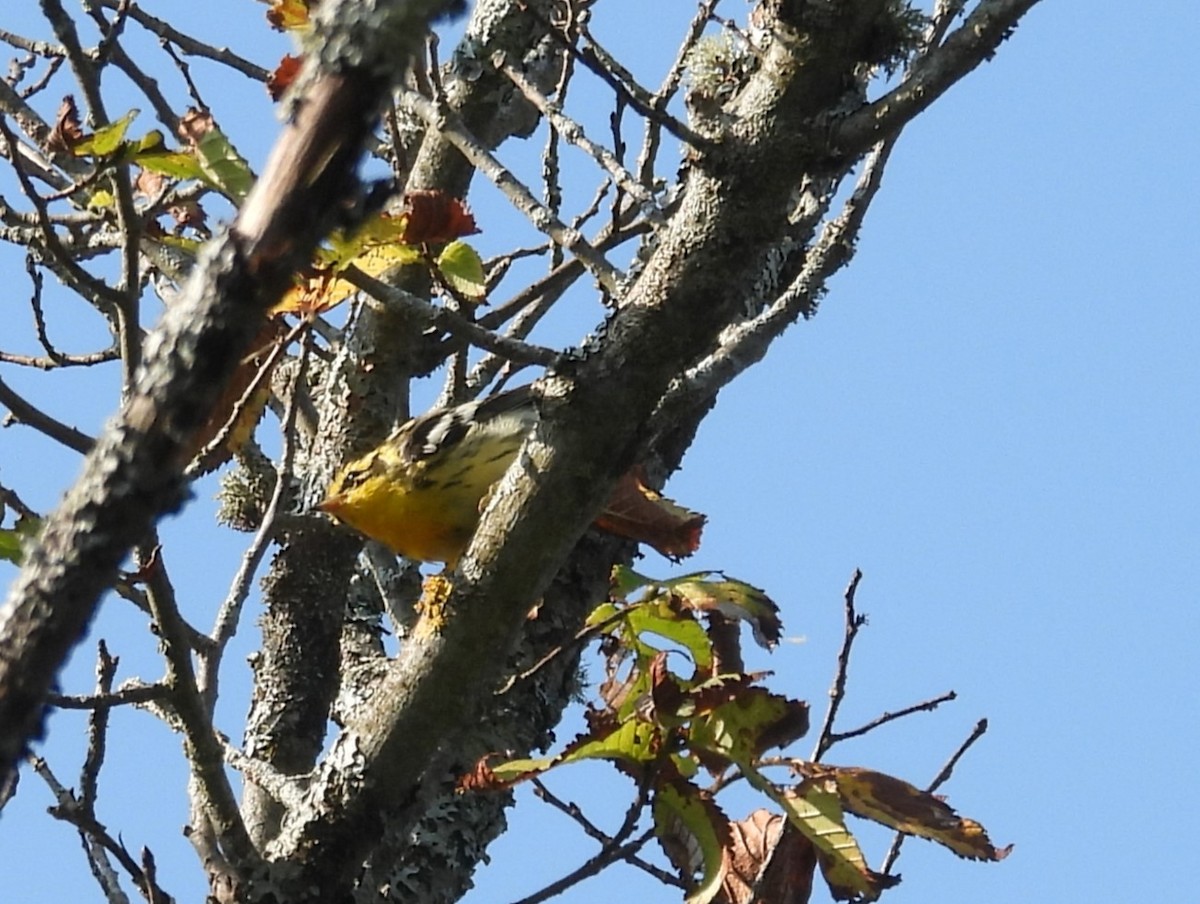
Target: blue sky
[{"x": 994, "y": 416}]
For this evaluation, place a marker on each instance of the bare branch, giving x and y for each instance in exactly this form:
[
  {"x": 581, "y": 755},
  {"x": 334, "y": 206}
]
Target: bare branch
[
  {"x": 924, "y": 706},
  {"x": 966, "y": 47},
  {"x": 216, "y": 806},
  {"x": 129, "y": 694},
  {"x": 97, "y": 841},
  {"x": 510, "y": 349},
  {"x": 940, "y": 779},
  {"x": 573, "y": 132},
  {"x": 837, "y": 692},
  {"x": 451, "y": 126},
  {"x": 89, "y": 775},
  {"x": 26, "y": 413},
  {"x": 190, "y": 45}
]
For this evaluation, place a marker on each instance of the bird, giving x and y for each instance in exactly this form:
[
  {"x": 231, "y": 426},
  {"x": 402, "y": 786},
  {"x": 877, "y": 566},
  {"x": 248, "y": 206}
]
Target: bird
[{"x": 422, "y": 490}]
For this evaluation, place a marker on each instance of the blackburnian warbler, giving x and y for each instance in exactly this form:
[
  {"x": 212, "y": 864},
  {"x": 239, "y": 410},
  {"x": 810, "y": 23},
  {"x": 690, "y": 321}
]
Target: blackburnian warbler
[{"x": 422, "y": 490}]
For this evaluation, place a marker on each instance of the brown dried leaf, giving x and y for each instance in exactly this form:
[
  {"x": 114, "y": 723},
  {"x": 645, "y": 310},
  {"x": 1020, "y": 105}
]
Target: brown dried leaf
[
  {"x": 67, "y": 131},
  {"x": 905, "y": 808},
  {"x": 194, "y": 125},
  {"x": 285, "y": 73},
  {"x": 148, "y": 183},
  {"x": 189, "y": 214},
  {"x": 636, "y": 512},
  {"x": 768, "y": 860},
  {"x": 227, "y": 406}
]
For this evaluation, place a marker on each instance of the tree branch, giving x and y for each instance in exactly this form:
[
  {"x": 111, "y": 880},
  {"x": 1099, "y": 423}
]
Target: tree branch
[
  {"x": 133, "y": 474},
  {"x": 972, "y": 43}
]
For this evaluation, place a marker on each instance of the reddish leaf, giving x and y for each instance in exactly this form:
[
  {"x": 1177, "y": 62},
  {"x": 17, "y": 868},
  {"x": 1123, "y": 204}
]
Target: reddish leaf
[
  {"x": 285, "y": 73},
  {"x": 636, "y": 512},
  {"x": 665, "y": 691},
  {"x": 435, "y": 217}
]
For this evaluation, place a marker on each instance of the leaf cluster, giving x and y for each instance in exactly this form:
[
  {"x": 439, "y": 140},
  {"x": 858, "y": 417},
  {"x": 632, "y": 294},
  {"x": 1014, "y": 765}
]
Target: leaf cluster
[{"x": 665, "y": 725}]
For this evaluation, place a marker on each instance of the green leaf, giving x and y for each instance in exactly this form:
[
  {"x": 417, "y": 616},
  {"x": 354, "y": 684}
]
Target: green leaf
[
  {"x": 750, "y": 721},
  {"x": 150, "y": 142},
  {"x": 10, "y": 546},
  {"x": 657, "y": 617},
  {"x": 815, "y": 809},
  {"x": 380, "y": 229},
  {"x": 223, "y": 166},
  {"x": 634, "y": 740},
  {"x": 101, "y": 199},
  {"x": 462, "y": 267},
  {"x": 176, "y": 164},
  {"x": 625, "y": 581},
  {"x": 14, "y": 539},
  {"x": 735, "y": 600},
  {"x": 695, "y": 829},
  {"x": 107, "y": 140}
]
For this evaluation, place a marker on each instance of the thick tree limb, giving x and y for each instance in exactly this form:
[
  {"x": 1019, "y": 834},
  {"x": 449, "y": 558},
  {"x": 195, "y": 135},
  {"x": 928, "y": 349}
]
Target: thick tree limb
[
  {"x": 722, "y": 239},
  {"x": 133, "y": 475}
]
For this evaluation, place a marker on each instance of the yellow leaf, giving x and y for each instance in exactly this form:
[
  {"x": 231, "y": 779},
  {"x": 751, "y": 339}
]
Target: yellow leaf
[
  {"x": 694, "y": 832},
  {"x": 462, "y": 267},
  {"x": 107, "y": 139},
  {"x": 905, "y": 808}
]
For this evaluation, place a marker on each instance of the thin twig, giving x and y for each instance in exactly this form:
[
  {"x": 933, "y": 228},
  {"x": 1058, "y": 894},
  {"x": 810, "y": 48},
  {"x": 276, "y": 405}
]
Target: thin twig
[
  {"x": 102, "y": 295},
  {"x": 130, "y": 694},
  {"x": 581, "y": 636},
  {"x": 231, "y": 609},
  {"x": 652, "y": 139},
  {"x": 837, "y": 692},
  {"x": 613, "y": 849},
  {"x": 200, "y": 460},
  {"x": 590, "y": 868},
  {"x": 573, "y": 811},
  {"x": 26, "y": 413},
  {"x": 605, "y": 67},
  {"x": 97, "y": 734},
  {"x": 924, "y": 706},
  {"x": 573, "y": 132},
  {"x": 452, "y": 128},
  {"x": 511, "y": 349},
  {"x": 190, "y": 45},
  {"x": 940, "y": 779},
  {"x": 96, "y": 838}
]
